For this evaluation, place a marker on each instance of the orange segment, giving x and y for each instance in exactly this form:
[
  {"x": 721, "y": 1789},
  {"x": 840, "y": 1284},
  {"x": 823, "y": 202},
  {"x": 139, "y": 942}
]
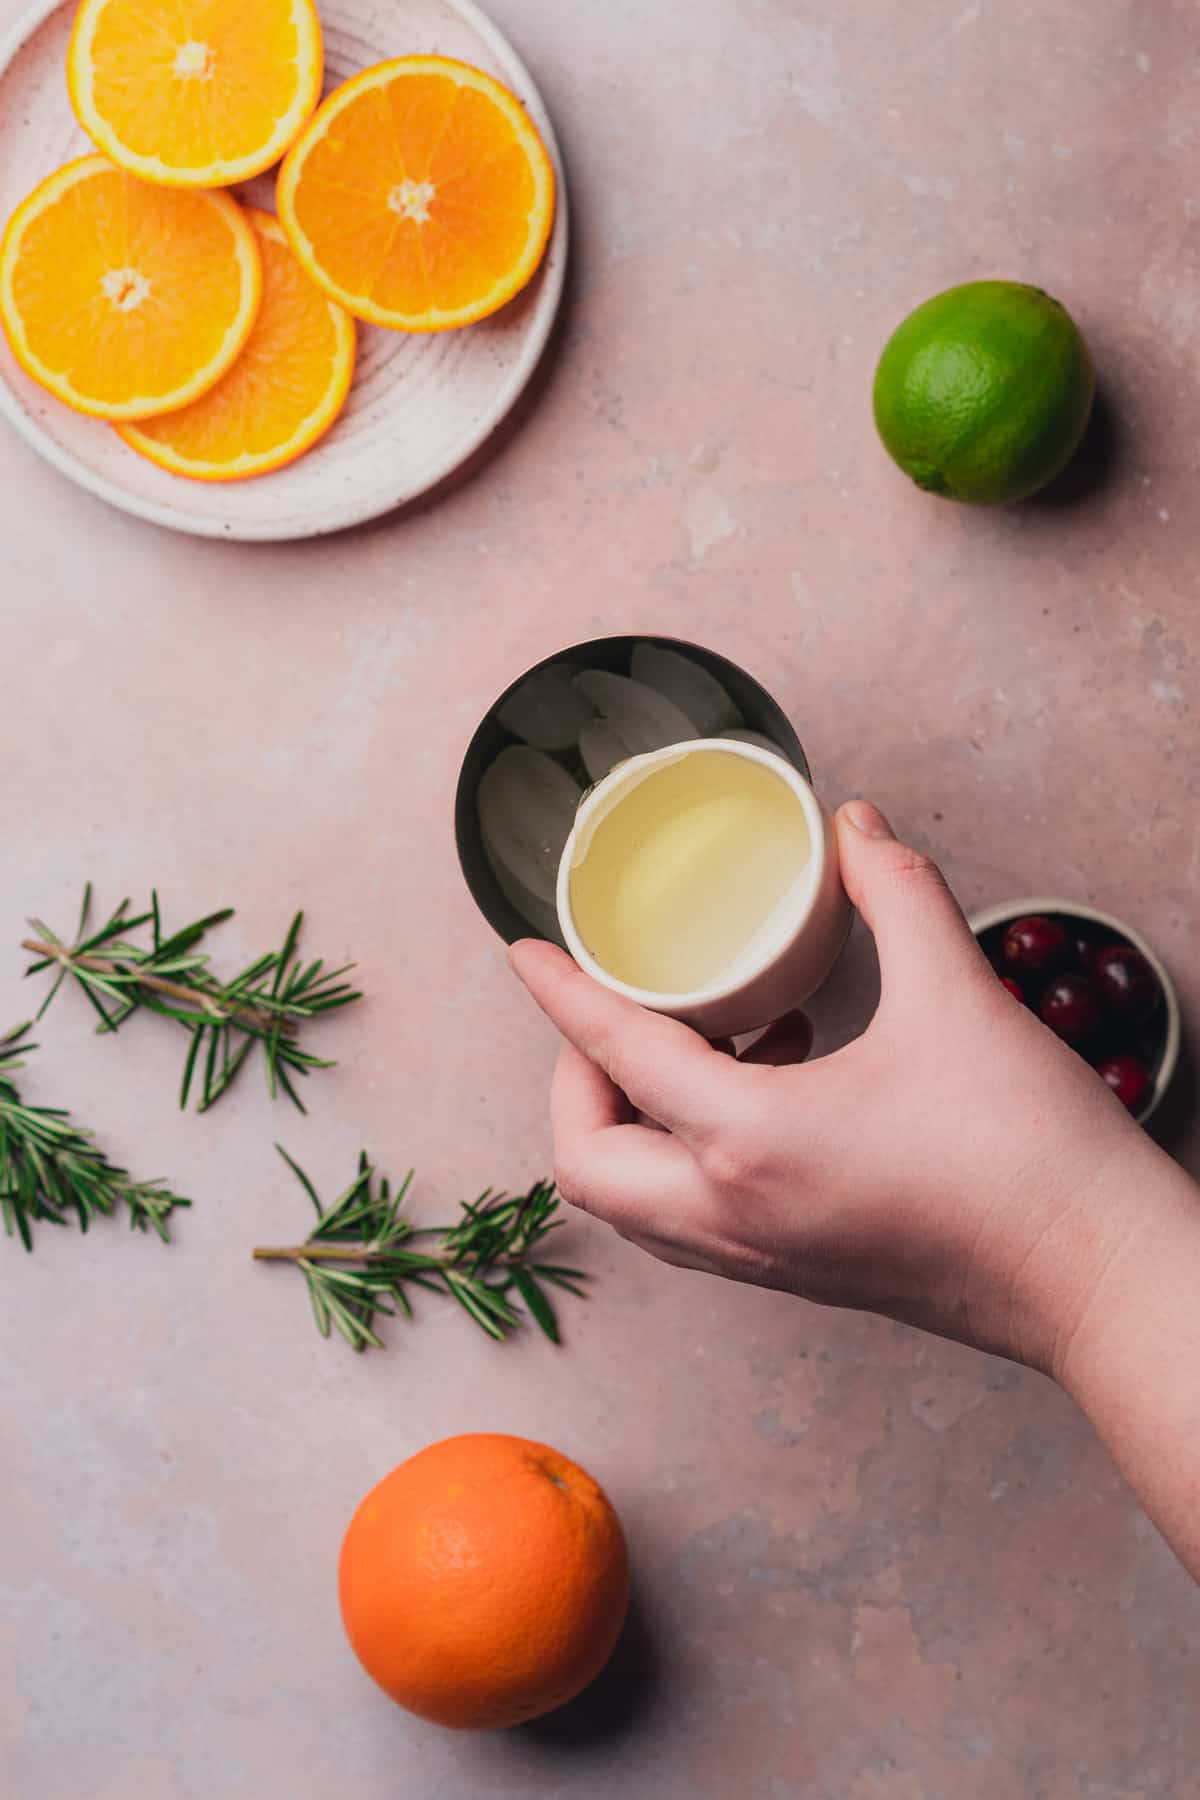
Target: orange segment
[
  {"x": 123, "y": 299},
  {"x": 420, "y": 195},
  {"x": 194, "y": 93},
  {"x": 285, "y": 389}
]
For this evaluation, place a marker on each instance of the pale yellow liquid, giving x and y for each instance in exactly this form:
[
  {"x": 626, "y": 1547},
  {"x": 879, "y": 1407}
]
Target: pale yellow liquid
[{"x": 687, "y": 869}]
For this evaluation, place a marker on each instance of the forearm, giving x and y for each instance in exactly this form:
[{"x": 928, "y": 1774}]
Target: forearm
[{"x": 1132, "y": 1362}]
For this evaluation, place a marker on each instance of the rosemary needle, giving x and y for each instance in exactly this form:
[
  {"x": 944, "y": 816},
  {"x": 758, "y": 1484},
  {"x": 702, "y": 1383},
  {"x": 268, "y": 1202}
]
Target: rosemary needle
[
  {"x": 359, "y": 1259},
  {"x": 265, "y": 1004},
  {"x": 50, "y": 1167}
]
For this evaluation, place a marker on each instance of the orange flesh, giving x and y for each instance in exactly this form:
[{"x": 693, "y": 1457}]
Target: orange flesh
[
  {"x": 285, "y": 389},
  {"x": 422, "y": 199},
  {"x": 124, "y": 298},
  {"x": 208, "y": 89}
]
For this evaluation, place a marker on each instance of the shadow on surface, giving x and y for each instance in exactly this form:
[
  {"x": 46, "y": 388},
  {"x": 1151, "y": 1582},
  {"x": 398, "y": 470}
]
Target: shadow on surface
[
  {"x": 618, "y": 1700},
  {"x": 1177, "y": 1112},
  {"x": 843, "y": 1007},
  {"x": 528, "y": 401},
  {"x": 1094, "y": 466}
]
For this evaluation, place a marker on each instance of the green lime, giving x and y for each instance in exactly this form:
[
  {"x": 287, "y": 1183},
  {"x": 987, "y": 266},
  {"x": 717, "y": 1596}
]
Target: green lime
[{"x": 983, "y": 393}]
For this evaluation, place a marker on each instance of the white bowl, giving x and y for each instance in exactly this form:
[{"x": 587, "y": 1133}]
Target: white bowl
[
  {"x": 1168, "y": 1058},
  {"x": 420, "y": 405}
]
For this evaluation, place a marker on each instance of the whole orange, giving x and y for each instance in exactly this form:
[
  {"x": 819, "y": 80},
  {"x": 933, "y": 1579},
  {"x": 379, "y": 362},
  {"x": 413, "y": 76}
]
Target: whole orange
[{"x": 484, "y": 1581}]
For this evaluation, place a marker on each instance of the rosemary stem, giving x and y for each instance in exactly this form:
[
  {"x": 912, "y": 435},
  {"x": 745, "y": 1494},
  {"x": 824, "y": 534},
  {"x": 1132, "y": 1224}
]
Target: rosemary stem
[
  {"x": 344, "y": 1253},
  {"x": 349, "y": 1253},
  {"x": 214, "y": 1012},
  {"x": 304, "y": 1253}
]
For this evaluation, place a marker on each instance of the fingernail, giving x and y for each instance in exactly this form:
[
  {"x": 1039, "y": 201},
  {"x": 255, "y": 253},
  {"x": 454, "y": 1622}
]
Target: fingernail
[{"x": 868, "y": 819}]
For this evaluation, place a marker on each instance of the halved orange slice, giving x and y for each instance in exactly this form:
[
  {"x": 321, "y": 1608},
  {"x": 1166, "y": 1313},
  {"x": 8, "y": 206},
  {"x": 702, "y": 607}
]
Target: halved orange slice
[
  {"x": 283, "y": 392},
  {"x": 124, "y": 299},
  {"x": 194, "y": 93},
  {"x": 419, "y": 195}
]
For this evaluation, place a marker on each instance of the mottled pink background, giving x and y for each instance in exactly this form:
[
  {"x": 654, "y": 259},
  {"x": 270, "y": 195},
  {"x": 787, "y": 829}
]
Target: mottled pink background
[{"x": 870, "y": 1566}]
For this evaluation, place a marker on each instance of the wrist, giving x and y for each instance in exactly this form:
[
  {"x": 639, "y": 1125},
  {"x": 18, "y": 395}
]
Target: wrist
[
  {"x": 1134, "y": 1276},
  {"x": 1140, "y": 1223},
  {"x": 1129, "y": 1360},
  {"x": 1057, "y": 1247}
]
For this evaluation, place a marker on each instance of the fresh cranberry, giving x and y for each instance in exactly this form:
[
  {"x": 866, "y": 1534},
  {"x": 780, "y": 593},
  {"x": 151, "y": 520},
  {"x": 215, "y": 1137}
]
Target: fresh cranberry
[
  {"x": 1126, "y": 982},
  {"x": 1006, "y": 981},
  {"x": 1084, "y": 948},
  {"x": 1129, "y": 1079},
  {"x": 1070, "y": 1008},
  {"x": 1036, "y": 946}
]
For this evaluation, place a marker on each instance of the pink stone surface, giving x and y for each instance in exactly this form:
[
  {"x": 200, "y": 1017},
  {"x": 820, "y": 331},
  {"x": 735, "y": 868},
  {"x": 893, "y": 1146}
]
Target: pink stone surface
[{"x": 868, "y": 1564}]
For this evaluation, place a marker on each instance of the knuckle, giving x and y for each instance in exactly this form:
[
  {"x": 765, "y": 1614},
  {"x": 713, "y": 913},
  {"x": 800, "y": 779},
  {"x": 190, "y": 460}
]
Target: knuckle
[
  {"x": 571, "y": 1183},
  {"x": 733, "y": 1159},
  {"x": 910, "y": 865}
]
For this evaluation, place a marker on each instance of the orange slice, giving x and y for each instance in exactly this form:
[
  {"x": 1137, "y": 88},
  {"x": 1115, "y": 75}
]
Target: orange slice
[
  {"x": 124, "y": 299},
  {"x": 420, "y": 196},
  {"x": 194, "y": 93},
  {"x": 283, "y": 392}
]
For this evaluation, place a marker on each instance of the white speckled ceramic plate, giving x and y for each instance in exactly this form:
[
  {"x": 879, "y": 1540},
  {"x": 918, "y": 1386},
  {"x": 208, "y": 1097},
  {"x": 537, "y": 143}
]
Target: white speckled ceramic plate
[{"x": 420, "y": 405}]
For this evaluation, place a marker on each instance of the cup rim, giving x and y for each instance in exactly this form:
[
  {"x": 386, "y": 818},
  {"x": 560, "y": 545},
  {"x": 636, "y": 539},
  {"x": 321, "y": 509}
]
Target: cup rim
[
  {"x": 654, "y": 999},
  {"x": 988, "y": 917}
]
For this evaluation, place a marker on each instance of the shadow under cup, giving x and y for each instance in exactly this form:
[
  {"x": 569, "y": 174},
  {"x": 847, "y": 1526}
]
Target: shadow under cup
[{"x": 759, "y": 711}]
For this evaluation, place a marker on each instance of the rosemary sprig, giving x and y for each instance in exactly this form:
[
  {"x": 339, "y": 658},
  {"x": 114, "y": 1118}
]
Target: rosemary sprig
[
  {"x": 50, "y": 1167},
  {"x": 263, "y": 1005},
  {"x": 358, "y": 1260}
]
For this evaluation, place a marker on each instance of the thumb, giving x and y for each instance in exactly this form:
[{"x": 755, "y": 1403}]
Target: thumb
[{"x": 923, "y": 941}]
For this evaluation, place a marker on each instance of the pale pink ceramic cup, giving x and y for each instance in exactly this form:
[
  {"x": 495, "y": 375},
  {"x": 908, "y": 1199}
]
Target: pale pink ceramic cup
[{"x": 804, "y": 937}]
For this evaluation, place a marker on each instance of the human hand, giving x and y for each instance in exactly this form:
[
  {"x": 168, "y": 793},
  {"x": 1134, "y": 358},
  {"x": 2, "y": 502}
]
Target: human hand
[{"x": 956, "y": 1167}]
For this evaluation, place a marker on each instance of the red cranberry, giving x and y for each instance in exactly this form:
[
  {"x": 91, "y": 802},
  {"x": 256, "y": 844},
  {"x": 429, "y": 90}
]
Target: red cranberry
[
  {"x": 1126, "y": 982},
  {"x": 1006, "y": 981},
  {"x": 1084, "y": 948},
  {"x": 1036, "y": 946},
  {"x": 1070, "y": 1008},
  {"x": 1129, "y": 1079}
]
